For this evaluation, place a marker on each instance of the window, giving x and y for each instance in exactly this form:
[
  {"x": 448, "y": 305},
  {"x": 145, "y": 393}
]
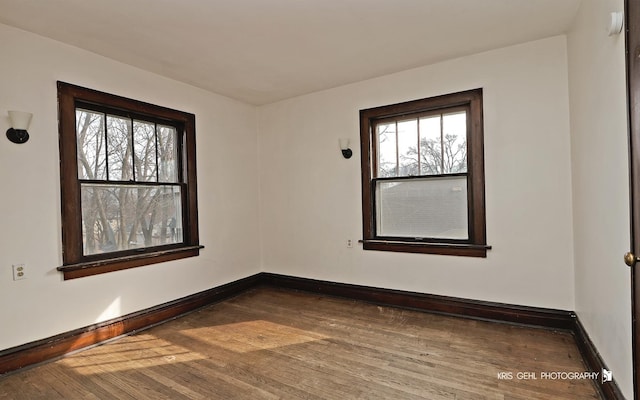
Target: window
[
  {"x": 128, "y": 182},
  {"x": 423, "y": 176}
]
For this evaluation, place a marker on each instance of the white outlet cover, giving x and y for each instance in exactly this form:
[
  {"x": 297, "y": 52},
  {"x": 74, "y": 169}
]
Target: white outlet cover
[{"x": 19, "y": 272}]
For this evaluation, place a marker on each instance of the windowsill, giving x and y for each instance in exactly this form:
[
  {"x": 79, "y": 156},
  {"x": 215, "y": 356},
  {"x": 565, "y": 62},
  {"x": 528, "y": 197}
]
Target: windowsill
[
  {"x": 79, "y": 270},
  {"x": 454, "y": 249}
]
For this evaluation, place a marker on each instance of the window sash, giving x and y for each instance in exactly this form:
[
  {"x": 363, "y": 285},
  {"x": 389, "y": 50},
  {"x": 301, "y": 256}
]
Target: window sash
[
  {"x": 162, "y": 169},
  {"x": 132, "y": 148},
  {"x": 130, "y": 217},
  {"x": 418, "y": 117},
  {"x": 413, "y": 217}
]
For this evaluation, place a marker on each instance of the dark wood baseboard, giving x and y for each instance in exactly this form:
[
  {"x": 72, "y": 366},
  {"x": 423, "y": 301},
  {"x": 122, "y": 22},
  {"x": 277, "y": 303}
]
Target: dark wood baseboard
[
  {"x": 591, "y": 356},
  {"x": 54, "y": 347}
]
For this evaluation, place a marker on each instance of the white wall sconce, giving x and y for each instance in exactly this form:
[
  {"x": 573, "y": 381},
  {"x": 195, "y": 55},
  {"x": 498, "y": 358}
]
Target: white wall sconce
[
  {"x": 20, "y": 121},
  {"x": 344, "y": 147},
  {"x": 616, "y": 21}
]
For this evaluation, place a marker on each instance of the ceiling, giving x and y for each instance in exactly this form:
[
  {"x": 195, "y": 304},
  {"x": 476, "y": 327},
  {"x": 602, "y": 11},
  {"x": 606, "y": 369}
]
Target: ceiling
[{"x": 262, "y": 51}]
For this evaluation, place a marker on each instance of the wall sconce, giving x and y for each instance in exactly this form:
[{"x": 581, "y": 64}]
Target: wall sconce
[
  {"x": 344, "y": 147},
  {"x": 20, "y": 121}
]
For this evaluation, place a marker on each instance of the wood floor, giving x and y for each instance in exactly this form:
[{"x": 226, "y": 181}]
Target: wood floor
[{"x": 277, "y": 344}]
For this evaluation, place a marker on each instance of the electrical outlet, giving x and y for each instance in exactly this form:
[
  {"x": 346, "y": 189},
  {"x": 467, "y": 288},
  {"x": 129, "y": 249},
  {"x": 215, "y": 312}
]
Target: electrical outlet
[
  {"x": 349, "y": 243},
  {"x": 19, "y": 272}
]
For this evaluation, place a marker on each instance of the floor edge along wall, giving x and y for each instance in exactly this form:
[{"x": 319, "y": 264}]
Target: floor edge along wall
[{"x": 30, "y": 354}]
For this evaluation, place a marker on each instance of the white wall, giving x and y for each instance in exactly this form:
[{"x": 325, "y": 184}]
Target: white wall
[
  {"x": 310, "y": 195},
  {"x": 44, "y": 305},
  {"x": 601, "y": 185}
]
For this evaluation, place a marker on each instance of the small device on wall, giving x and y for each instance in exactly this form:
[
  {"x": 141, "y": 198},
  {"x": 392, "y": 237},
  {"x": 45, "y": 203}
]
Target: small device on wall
[
  {"x": 344, "y": 147},
  {"x": 616, "y": 21},
  {"x": 20, "y": 121}
]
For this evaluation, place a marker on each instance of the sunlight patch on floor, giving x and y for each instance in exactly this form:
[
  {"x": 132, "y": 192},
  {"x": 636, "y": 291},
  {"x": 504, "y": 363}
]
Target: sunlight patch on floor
[
  {"x": 243, "y": 337},
  {"x": 147, "y": 351}
]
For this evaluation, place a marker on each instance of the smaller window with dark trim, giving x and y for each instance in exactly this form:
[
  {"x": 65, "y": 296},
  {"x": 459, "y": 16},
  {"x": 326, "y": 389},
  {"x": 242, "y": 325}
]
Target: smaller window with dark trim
[
  {"x": 128, "y": 182},
  {"x": 423, "y": 176}
]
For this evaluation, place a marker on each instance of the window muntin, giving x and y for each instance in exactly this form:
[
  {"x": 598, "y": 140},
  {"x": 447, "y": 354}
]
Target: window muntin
[
  {"x": 129, "y": 190},
  {"x": 423, "y": 176}
]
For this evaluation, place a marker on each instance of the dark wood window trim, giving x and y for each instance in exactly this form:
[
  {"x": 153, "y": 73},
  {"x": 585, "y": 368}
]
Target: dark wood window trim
[
  {"x": 476, "y": 245},
  {"x": 75, "y": 264}
]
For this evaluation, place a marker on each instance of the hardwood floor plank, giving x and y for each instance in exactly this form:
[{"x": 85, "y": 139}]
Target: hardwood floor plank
[{"x": 280, "y": 344}]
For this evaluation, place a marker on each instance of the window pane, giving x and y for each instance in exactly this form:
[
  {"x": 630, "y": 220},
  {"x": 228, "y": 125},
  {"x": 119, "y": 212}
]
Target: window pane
[
  {"x": 454, "y": 127},
  {"x": 92, "y": 154},
  {"x": 119, "y": 149},
  {"x": 430, "y": 146},
  {"x": 408, "y": 147},
  {"x": 144, "y": 150},
  {"x": 122, "y": 217},
  {"x": 387, "y": 160},
  {"x": 167, "y": 154},
  {"x": 423, "y": 208}
]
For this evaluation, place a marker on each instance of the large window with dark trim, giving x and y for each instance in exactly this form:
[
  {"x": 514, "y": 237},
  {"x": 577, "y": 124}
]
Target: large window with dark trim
[
  {"x": 128, "y": 182},
  {"x": 423, "y": 176}
]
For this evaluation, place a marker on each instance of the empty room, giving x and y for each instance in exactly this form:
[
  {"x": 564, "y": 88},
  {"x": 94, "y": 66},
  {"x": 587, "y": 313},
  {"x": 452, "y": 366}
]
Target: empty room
[{"x": 305, "y": 199}]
